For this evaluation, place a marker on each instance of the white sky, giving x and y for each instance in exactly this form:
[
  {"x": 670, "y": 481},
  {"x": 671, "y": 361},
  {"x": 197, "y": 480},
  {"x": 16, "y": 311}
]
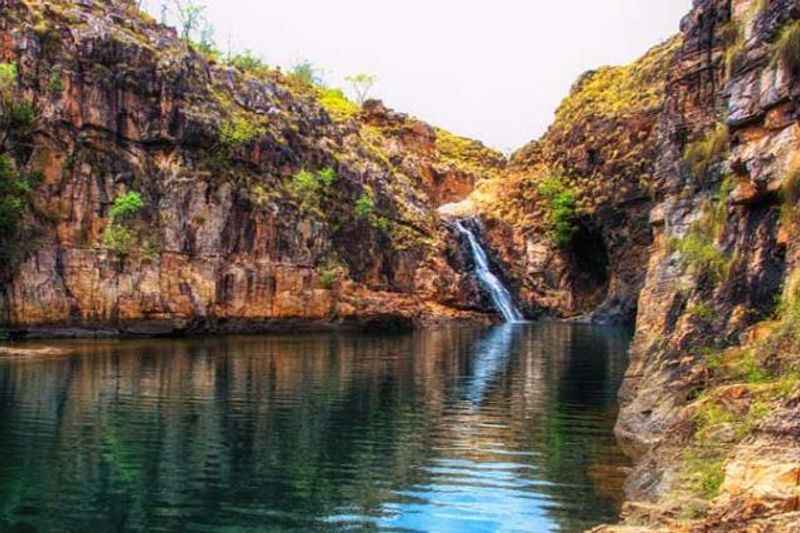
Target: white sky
[{"x": 494, "y": 71}]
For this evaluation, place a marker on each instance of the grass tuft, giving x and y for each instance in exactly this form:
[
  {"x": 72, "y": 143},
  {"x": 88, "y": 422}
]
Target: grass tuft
[
  {"x": 701, "y": 154},
  {"x": 787, "y": 48}
]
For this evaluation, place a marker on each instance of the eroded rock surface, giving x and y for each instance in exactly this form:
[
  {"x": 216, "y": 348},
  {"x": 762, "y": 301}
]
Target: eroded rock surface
[{"x": 226, "y": 239}]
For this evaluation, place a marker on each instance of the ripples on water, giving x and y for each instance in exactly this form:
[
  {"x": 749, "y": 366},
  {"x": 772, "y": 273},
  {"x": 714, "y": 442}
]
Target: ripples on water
[{"x": 500, "y": 429}]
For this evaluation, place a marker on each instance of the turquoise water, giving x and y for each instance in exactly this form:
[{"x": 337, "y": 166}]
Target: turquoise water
[{"x": 463, "y": 429}]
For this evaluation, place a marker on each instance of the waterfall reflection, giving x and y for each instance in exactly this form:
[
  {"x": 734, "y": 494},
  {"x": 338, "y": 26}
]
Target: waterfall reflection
[{"x": 491, "y": 354}]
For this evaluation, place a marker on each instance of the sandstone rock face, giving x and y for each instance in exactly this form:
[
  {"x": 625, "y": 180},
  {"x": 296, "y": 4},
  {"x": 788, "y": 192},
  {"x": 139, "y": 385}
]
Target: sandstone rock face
[
  {"x": 730, "y": 209},
  {"x": 602, "y": 145},
  {"x": 683, "y": 167},
  {"x": 225, "y": 240}
]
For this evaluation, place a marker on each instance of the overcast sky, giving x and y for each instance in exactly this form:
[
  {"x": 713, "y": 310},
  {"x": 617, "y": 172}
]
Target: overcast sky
[{"x": 495, "y": 71}]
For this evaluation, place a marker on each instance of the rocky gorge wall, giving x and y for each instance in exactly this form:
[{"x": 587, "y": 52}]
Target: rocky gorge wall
[
  {"x": 239, "y": 228},
  {"x": 664, "y": 195},
  {"x": 707, "y": 399},
  {"x": 682, "y": 179},
  {"x": 600, "y": 148}
]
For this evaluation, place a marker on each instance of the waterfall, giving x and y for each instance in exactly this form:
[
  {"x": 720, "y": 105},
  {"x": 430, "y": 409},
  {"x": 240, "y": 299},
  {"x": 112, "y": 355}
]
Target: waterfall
[{"x": 500, "y": 296}]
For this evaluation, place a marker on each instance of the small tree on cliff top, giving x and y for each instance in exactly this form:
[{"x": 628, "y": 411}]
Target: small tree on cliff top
[
  {"x": 191, "y": 16},
  {"x": 361, "y": 84}
]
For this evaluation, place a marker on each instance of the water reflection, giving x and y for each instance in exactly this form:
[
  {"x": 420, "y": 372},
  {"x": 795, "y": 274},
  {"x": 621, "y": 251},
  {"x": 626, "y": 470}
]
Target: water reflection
[
  {"x": 491, "y": 355},
  {"x": 450, "y": 430}
]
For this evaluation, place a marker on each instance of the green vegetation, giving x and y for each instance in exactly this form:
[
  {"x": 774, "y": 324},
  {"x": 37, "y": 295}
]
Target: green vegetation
[
  {"x": 118, "y": 239},
  {"x": 305, "y": 183},
  {"x": 364, "y": 207},
  {"x": 337, "y": 105},
  {"x": 701, "y": 154},
  {"x": 791, "y": 185},
  {"x": 732, "y": 34},
  {"x": 787, "y": 48},
  {"x": 8, "y": 76},
  {"x": 126, "y": 206},
  {"x": 562, "y": 207},
  {"x": 328, "y": 278},
  {"x": 234, "y": 133},
  {"x": 16, "y": 125},
  {"x": 17, "y": 117},
  {"x": 191, "y": 17},
  {"x": 56, "y": 84},
  {"x": 381, "y": 223},
  {"x": 118, "y": 236},
  {"x": 239, "y": 131},
  {"x": 618, "y": 91},
  {"x": 701, "y": 255},
  {"x": 467, "y": 154},
  {"x": 705, "y": 472},
  {"x": 306, "y": 72},
  {"x": 789, "y": 305},
  {"x": 702, "y": 311},
  {"x": 330, "y": 271},
  {"x": 715, "y": 212},
  {"x": 192, "y": 24},
  {"x": 247, "y": 61},
  {"x": 750, "y": 368},
  {"x": 790, "y": 194},
  {"x": 327, "y": 176},
  {"x": 698, "y": 249},
  {"x": 786, "y": 337},
  {"x": 310, "y": 187},
  {"x": 361, "y": 84},
  {"x": 15, "y": 191}
]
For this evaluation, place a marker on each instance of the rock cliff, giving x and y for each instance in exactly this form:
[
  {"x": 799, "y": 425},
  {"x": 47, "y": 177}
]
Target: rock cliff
[
  {"x": 264, "y": 201},
  {"x": 601, "y": 148},
  {"x": 677, "y": 189},
  {"x": 162, "y": 190},
  {"x": 713, "y": 373}
]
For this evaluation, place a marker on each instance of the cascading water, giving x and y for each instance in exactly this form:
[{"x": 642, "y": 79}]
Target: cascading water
[{"x": 500, "y": 296}]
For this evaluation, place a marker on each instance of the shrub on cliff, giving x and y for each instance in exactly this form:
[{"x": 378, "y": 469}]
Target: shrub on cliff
[
  {"x": 702, "y": 153},
  {"x": 790, "y": 194},
  {"x": 17, "y": 118},
  {"x": 562, "y": 206},
  {"x": 306, "y": 72},
  {"x": 118, "y": 236},
  {"x": 364, "y": 207},
  {"x": 700, "y": 254},
  {"x": 698, "y": 249},
  {"x": 309, "y": 187},
  {"x": 787, "y": 48},
  {"x": 247, "y": 61},
  {"x": 126, "y": 206},
  {"x": 8, "y": 77},
  {"x": 234, "y": 133},
  {"x": 239, "y": 131},
  {"x": 14, "y": 190},
  {"x": 361, "y": 84},
  {"x": 336, "y": 104},
  {"x": 732, "y": 34}
]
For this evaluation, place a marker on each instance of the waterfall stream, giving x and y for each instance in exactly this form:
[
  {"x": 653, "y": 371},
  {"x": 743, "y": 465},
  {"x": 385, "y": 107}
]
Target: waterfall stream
[{"x": 500, "y": 296}]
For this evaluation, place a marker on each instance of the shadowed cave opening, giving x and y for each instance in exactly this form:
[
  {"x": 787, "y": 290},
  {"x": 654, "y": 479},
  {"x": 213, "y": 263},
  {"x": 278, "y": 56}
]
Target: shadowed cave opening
[{"x": 590, "y": 260}]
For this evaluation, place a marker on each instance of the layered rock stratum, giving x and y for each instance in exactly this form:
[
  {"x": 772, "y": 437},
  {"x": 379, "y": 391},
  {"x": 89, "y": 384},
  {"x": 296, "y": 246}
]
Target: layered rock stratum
[{"x": 230, "y": 237}]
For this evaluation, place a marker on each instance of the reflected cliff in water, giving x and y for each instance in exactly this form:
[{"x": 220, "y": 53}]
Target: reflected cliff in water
[{"x": 451, "y": 430}]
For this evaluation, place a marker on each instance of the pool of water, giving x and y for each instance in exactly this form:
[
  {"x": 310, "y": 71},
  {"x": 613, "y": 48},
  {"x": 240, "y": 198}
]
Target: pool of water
[{"x": 462, "y": 429}]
